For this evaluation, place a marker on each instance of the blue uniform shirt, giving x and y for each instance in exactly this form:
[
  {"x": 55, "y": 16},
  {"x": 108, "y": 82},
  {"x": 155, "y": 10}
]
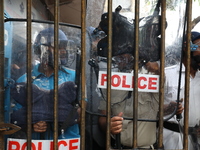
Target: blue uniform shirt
[{"x": 47, "y": 83}]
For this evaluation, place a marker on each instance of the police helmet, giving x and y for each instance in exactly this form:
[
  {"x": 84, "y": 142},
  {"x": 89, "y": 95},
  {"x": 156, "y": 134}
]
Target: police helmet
[{"x": 46, "y": 38}]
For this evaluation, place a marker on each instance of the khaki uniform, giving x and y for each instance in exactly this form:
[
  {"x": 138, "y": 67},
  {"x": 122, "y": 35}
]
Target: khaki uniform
[{"x": 147, "y": 109}]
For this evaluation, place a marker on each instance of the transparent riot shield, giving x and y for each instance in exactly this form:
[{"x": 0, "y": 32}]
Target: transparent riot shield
[
  {"x": 42, "y": 83},
  {"x": 149, "y": 71}
]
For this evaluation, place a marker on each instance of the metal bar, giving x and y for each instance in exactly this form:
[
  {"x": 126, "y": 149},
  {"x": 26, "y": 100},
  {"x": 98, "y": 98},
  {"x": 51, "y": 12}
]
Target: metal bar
[
  {"x": 2, "y": 145},
  {"x": 83, "y": 62},
  {"x": 187, "y": 75},
  {"x": 108, "y": 109},
  {"x": 162, "y": 74},
  {"x": 56, "y": 27},
  {"x": 42, "y": 21},
  {"x": 136, "y": 56},
  {"x": 29, "y": 79}
]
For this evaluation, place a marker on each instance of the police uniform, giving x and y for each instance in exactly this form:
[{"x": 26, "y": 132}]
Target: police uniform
[
  {"x": 43, "y": 101},
  {"x": 173, "y": 137},
  {"x": 147, "y": 109},
  {"x": 171, "y": 133},
  {"x": 194, "y": 112}
]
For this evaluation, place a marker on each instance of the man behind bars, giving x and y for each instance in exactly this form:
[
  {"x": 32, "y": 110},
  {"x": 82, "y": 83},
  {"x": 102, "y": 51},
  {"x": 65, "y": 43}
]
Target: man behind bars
[
  {"x": 43, "y": 89},
  {"x": 122, "y": 106},
  {"x": 173, "y": 134}
]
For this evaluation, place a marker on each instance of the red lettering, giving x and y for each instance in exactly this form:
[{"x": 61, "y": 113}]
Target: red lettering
[
  {"x": 39, "y": 145},
  {"x": 145, "y": 82},
  {"x": 139, "y": 82},
  {"x": 25, "y": 145},
  {"x": 62, "y": 143},
  {"x": 151, "y": 83},
  {"x": 51, "y": 146},
  {"x": 71, "y": 142},
  {"x": 103, "y": 79},
  {"x": 124, "y": 82},
  {"x": 118, "y": 80},
  {"x": 13, "y": 145}
]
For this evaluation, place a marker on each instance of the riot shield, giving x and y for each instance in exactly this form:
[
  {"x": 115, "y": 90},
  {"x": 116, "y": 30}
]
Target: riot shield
[
  {"x": 149, "y": 54},
  {"x": 43, "y": 83}
]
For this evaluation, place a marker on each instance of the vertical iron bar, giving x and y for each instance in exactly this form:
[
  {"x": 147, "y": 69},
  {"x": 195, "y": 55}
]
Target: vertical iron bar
[
  {"x": 2, "y": 145},
  {"x": 83, "y": 62},
  {"x": 91, "y": 117},
  {"x": 56, "y": 27},
  {"x": 136, "y": 56},
  {"x": 29, "y": 80},
  {"x": 187, "y": 75},
  {"x": 109, "y": 57},
  {"x": 162, "y": 74}
]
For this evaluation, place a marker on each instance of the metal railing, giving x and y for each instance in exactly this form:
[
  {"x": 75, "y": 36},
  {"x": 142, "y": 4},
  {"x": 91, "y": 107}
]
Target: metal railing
[
  {"x": 83, "y": 82},
  {"x": 2, "y": 73}
]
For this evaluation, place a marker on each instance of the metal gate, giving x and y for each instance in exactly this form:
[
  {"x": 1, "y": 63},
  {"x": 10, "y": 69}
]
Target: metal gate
[{"x": 7, "y": 128}]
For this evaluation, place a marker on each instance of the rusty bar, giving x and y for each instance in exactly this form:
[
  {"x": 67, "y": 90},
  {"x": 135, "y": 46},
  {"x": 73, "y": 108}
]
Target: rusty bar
[
  {"x": 83, "y": 62},
  {"x": 136, "y": 56},
  {"x": 161, "y": 83},
  {"x": 187, "y": 75},
  {"x": 162, "y": 74},
  {"x": 109, "y": 57},
  {"x": 56, "y": 27},
  {"x": 29, "y": 79},
  {"x": 2, "y": 146}
]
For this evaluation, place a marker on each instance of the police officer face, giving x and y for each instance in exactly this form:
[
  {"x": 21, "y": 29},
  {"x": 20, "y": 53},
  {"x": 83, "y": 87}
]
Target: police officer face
[
  {"x": 124, "y": 62},
  {"x": 62, "y": 56},
  {"x": 47, "y": 55}
]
